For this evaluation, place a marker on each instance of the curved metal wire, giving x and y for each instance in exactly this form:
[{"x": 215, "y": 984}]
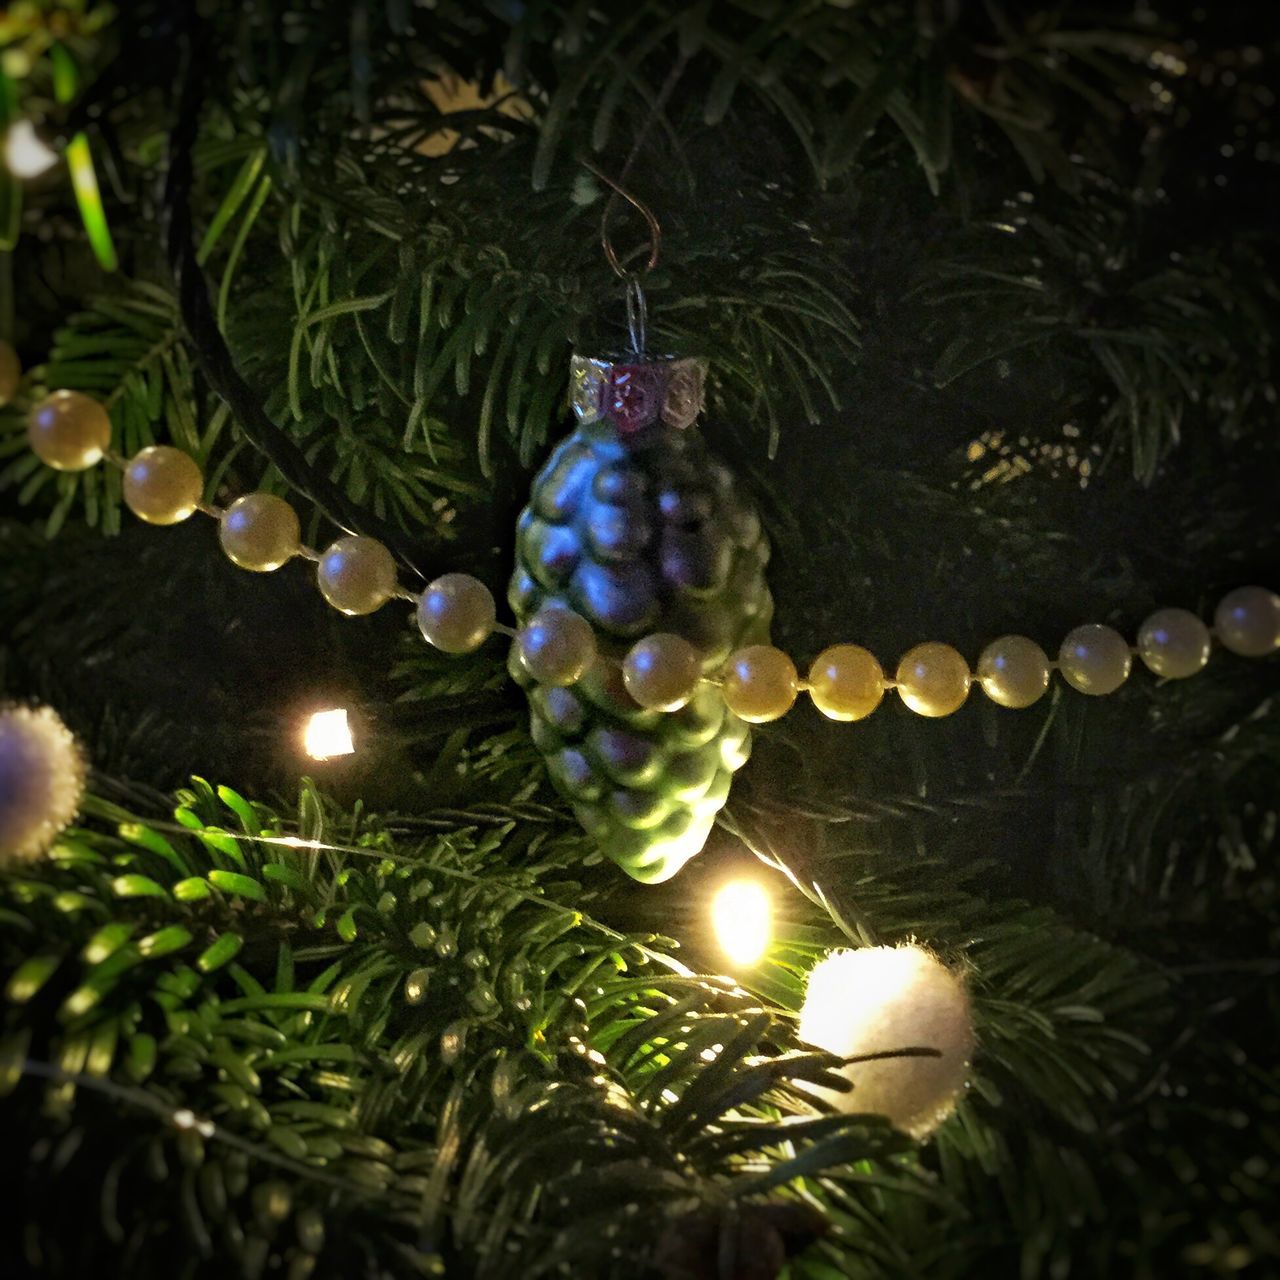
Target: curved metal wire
[
  {"x": 637, "y": 315},
  {"x": 651, "y": 220}
]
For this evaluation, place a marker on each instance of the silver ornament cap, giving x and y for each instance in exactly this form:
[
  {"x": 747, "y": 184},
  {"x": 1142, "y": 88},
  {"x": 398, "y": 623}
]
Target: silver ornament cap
[{"x": 634, "y": 392}]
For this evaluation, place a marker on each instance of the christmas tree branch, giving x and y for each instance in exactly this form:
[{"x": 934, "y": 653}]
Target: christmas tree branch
[{"x": 208, "y": 344}]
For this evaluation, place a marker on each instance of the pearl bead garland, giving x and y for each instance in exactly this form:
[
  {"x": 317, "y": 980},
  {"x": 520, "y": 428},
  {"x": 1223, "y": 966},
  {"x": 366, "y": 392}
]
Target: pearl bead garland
[
  {"x": 846, "y": 682},
  {"x": 662, "y": 672},
  {"x": 1174, "y": 643},
  {"x": 1248, "y": 621},
  {"x": 71, "y": 431}
]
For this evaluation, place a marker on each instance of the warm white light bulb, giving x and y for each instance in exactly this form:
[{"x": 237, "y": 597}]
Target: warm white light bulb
[
  {"x": 742, "y": 916},
  {"x": 25, "y": 152},
  {"x": 327, "y": 735}
]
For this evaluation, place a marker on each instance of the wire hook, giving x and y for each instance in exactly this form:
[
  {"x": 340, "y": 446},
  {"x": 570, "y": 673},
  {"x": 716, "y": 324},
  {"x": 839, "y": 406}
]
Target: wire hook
[{"x": 655, "y": 228}]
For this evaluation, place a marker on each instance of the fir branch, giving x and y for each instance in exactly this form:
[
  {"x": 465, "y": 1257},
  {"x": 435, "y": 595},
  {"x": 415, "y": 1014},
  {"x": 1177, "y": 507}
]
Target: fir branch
[
  {"x": 209, "y": 345},
  {"x": 439, "y": 1055}
]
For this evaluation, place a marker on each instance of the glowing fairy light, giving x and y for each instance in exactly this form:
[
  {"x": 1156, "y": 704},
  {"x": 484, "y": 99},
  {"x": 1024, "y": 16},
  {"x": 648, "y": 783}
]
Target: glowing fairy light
[
  {"x": 742, "y": 917},
  {"x": 26, "y": 154},
  {"x": 327, "y": 735}
]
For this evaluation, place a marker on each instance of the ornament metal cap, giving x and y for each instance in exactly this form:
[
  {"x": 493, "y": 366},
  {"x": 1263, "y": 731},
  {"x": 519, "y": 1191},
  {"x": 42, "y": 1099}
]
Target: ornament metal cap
[{"x": 635, "y": 391}]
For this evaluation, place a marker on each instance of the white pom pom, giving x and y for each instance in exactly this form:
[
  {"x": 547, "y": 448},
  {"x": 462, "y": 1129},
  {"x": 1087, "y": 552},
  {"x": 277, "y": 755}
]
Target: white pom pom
[
  {"x": 883, "y": 998},
  {"x": 41, "y": 780}
]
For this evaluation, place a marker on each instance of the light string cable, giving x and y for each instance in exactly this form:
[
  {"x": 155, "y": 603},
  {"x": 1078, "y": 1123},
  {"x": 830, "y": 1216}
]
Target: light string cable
[
  {"x": 107, "y": 811},
  {"x": 209, "y": 345}
]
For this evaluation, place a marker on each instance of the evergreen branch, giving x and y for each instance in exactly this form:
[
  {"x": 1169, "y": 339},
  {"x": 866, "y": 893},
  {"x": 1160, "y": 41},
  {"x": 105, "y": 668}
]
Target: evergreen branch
[
  {"x": 211, "y": 349},
  {"x": 124, "y": 350},
  {"x": 329, "y": 1075}
]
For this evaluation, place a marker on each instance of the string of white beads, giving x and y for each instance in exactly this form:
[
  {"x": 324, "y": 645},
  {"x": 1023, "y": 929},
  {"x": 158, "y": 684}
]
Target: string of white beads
[
  {"x": 1095, "y": 659},
  {"x": 846, "y": 681},
  {"x": 456, "y": 613},
  {"x": 933, "y": 679},
  {"x": 356, "y": 575}
]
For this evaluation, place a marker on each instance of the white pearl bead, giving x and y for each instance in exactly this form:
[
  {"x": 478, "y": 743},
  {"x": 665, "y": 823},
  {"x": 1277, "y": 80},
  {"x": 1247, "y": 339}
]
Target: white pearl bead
[
  {"x": 1013, "y": 671},
  {"x": 162, "y": 485},
  {"x": 760, "y": 683},
  {"x": 1173, "y": 643},
  {"x": 1094, "y": 659},
  {"x": 69, "y": 431},
  {"x": 456, "y": 613},
  {"x": 662, "y": 671},
  {"x": 259, "y": 532},
  {"x": 1248, "y": 622},
  {"x": 556, "y": 646},
  {"x": 846, "y": 682},
  {"x": 356, "y": 575},
  {"x": 933, "y": 679}
]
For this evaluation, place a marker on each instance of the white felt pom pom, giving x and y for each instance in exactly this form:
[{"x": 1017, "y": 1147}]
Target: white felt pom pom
[
  {"x": 878, "y": 999},
  {"x": 41, "y": 780}
]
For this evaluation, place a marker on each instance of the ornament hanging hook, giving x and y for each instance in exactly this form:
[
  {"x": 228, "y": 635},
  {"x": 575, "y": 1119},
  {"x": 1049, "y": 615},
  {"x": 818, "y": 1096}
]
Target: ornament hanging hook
[
  {"x": 637, "y": 307},
  {"x": 651, "y": 220},
  {"x": 637, "y": 314}
]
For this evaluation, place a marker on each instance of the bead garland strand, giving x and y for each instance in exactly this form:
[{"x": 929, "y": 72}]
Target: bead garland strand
[{"x": 456, "y": 613}]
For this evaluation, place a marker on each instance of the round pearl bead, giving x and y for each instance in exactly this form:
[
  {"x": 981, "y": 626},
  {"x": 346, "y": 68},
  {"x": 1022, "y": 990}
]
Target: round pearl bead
[
  {"x": 1094, "y": 659},
  {"x": 1013, "y": 671},
  {"x": 356, "y": 575},
  {"x": 10, "y": 373},
  {"x": 260, "y": 532},
  {"x": 69, "y": 431},
  {"x": 162, "y": 485},
  {"x": 846, "y": 682},
  {"x": 1174, "y": 643},
  {"x": 1248, "y": 621},
  {"x": 662, "y": 671},
  {"x": 456, "y": 613},
  {"x": 760, "y": 683},
  {"x": 933, "y": 679},
  {"x": 556, "y": 646}
]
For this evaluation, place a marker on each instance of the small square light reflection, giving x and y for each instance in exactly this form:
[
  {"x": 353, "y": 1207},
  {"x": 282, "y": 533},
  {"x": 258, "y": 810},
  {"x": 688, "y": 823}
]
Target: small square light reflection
[
  {"x": 328, "y": 735},
  {"x": 742, "y": 917}
]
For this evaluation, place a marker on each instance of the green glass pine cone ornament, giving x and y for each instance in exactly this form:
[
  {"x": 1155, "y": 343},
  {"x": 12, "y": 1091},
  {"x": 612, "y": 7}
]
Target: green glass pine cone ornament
[{"x": 633, "y": 525}]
